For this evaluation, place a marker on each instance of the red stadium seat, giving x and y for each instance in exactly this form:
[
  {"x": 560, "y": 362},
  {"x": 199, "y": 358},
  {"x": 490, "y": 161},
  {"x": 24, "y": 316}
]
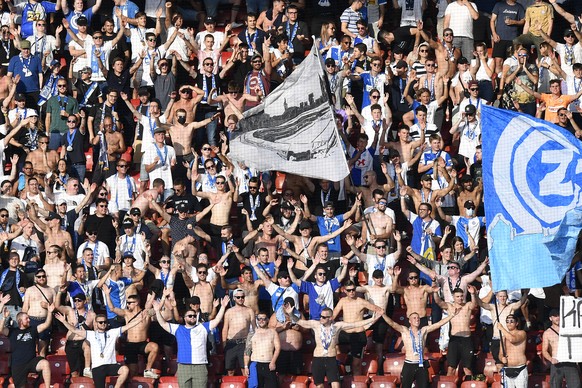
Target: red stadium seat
[
  {"x": 290, "y": 381},
  {"x": 81, "y": 380},
  {"x": 59, "y": 367},
  {"x": 382, "y": 384},
  {"x": 443, "y": 383},
  {"x": 89, "y": 384},
  {"x": 489, "y": 369},
  {"x": 141, "y": 382},
  {"x": 393, "y": 365},
  {"x": 54, "y": 385},
  {"x": 4, "y": 345},
  {"x": 168, "y": 382},
  {"x": 355, "y": 382},
  {"x": 234, "y": 382},
  {"x": 384, "y": 379},
  {"x": 370, "y": 364},
  {"x": 110, "y": 381},
  {"x": 474, "y": 384},
  {"x": 58, "y": 342},
  {"x": 538, "y": 381}
]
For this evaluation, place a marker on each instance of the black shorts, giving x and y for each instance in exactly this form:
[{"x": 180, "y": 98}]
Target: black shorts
[
  {"x": 323, "y": 367},
  {"x": 495, "y": 344},
  {"x": 160, "y": 336},
  {"x": 101, "y": 373},
  {"x": 20, "y": 372},
  {"x": 460, "y": 349},
  {"x": 500, "y": 48},
  {"x": 289, "y": 362},
  {"x": 357, "y": 342},
  {"x": 379, "y": 330},
  {"x": 133, "y": 349},
  {"x": 75, "y": 356},
  {"x": 234, "y": 354}
]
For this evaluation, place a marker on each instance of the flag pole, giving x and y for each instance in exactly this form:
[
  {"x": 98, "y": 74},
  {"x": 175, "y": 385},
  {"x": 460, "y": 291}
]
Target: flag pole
[{"x": 502, "y": 344}]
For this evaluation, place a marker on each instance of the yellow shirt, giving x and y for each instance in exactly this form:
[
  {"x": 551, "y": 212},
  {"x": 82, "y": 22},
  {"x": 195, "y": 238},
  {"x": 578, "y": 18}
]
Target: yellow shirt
[{"x": 539, "y": 13}]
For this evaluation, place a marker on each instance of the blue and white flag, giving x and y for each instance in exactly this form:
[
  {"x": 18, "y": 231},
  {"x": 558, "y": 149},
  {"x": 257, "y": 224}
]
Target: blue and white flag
[{"x": 532, "y": 175}]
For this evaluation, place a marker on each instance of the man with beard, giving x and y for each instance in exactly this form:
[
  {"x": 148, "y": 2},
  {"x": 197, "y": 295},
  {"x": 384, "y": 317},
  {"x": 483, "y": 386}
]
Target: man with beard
[{"x": 468, "y": 192}]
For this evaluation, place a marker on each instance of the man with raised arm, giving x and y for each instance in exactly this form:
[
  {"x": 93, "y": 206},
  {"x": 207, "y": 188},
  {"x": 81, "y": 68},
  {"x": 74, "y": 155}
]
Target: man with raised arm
[
  {"x": 326, "y": 333},
  {"x": 192, "y": 339}
]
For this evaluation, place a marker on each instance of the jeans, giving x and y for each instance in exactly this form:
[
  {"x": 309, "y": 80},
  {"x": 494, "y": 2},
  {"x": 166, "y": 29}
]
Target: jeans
[
  {"x": 79, "y": 171},
  {"x": 466, "y": 45},
  {"x": 211, "y": 129},
  {"x": 257, "y": 6}
]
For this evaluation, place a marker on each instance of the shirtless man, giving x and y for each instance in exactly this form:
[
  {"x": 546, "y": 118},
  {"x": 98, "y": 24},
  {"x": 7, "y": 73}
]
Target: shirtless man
[
  {"x": 505, "y": 310},
  {"x": 290, "y": 338},
  {"x": 43, "y": 160},
  {"x": 326, "y": 333},
  {"x": 53, "y": 234},
  {"x": 372, "y": 184},
  {"x": 446, "y": 53},
  {"x": 268, "y": 238},
  {"x": 233, "y": 101},
  {"x": 220, "y": 213},
  {"x": 181, "y": 133},
  {"x": 36, "y": 302},
  {"x": 426, "y": 193},
  {"x": 237, "y": 325},
  {"x": 415, "y": 367},
  {"x": 515, "y": 361},
  {"x": 114, "y": 141},
  {"x": 261, "y": 353},
  {"x": 305, "y": 243},
  {"x": 142, "y": 202},
  {"x": 405, "y": 145},
  {"x": 202, "y": 288},
  {"x": 137, "y": 336},
  {"x": 415, "y": 295},
  {"x": 558, "y": 370},
  {"x": 248, "y": 285},
  {"x": 466, "y": 191},
  {"x": 55, "y": 266},
  {"x": 379, "y": 225},
  {"x": 460, "y": 343},
  {"x": 190, "y": 96},
  {"x": 377, "y": 294},
  {"x": 353, "y": 309},
  {"x": 80, "y": 316}
]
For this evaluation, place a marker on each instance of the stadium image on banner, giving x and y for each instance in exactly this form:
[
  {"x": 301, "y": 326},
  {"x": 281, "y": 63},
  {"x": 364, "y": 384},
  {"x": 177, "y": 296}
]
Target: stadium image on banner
[
  {"x": 293, "y": 130},
  {"x": 532, "y": 198}
]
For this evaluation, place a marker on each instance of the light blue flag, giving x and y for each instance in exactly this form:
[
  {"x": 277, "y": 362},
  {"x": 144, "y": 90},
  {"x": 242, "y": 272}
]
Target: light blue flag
[{"x": 532, "y": 175}]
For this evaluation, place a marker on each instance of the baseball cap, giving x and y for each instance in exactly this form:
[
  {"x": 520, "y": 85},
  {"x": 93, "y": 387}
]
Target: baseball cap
[
  {"x": 472, "y": 83},
  {"x": 401, "y": 64},
  {"x": 53, "y": 216},
  {"x": 194, "y": 300},
  {"x": 54, "y": 63},
  {"x": 127, "y": 223},
  {"x": 330, "y": 61},
  {"x": 304, "y": 225},
  {"x": 329, "y": 204},
  {"x": 568, "y": 31},
  {"x": 470, "y": 109},
  {"x": 426, "y": 177},
  {"x": 468, "y": 204},
  {"x": 25, "y": 44},
  {"x": 209, "y": 20},
  {"x": 182, "y": 207},
  {"x": 61, "y": 201},
  {"x": 20, "y": 97},
  {"x": 33, "y": 112},
  {"x": 82, "y": 21},
  {"x": 135, "y": 211},
  {"x": 463, "y": 61},
  {"x": 287, "y": 205},
  {"x": 159, "y": 130}
]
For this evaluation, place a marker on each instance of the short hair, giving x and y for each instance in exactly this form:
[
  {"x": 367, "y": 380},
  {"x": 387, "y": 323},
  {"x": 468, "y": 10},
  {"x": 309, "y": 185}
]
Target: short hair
[
  {"x": 422, "y": 90},
  {"x": 363, "y": 136},
  {"x": 246, "y": 268},
  {"x": 140, "y": 14},
  {"x": 226, "y": 227},
  {"x": 362, "y": 47},
  {"x": 100, "y": 201},
  {"x": 457, "y": 290},
  {"x": 262, "y": 249},
  {"x": 87, "y": 250},
  {"x": 422, "y": 108},
  {"x": 375, "y": 107},
  {"x": 159, "y": 182},
  {"x": 252, "y": 15},
  {"x": 208, "y": 36},
  {"x": 434, "y": 136},
  {"x": 280, "y": 38},
  {"x": 428, "y": 205},
  {"x": 555, "y": 81},
  {"x": 377, "y": 192}
]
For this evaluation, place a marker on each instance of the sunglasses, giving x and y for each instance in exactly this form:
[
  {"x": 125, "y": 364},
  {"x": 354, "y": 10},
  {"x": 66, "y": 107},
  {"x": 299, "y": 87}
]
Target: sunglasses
[
  {"x": 380, "y": 246},
  {"x": 43, "y": 142},
  {"x": 471, "y": 207},
  {"x": 262, "y": 319},
  {"x": 350, "y": 290},
  {"x": 189, "y": 316},
  {"x": 239, "y": 297},
  {"x": 120, "y": 166},
  {"x": 101, "y": 322},
  {"x": 412, "y": 277},
  {"x": 253, "y": 187},
  {"x": 220, "y": 183},
  {"x": 430, "y": 65},
  {"x": 151, "y": 40},
  {"x": 202, "y": 272},
  {"x": 321, "y": 274},
  {"x": 562, "y": 115},
  {"x": 62, "y": 86},
  {"x": 510, "y": 321},
  {"x": 40, "y": 276},
  {"x": 72, "y": 121},
  {"x": 452, "y": 267},
  {"x": 131, "y": 302},
  {"x": 209, "y": 64},
  {"x": 3, "y": 215},
  {"x": 474, "y": 89},
  {"x": 78, "y": 300},
  {"x": 448, "y": 34},
  {"x": 164, "y": 261},
  {"x": 375, "y": 96},
  {"x": 162, "y": 64},
  {"x": 325, "y": 316},
  {"x": 206, "y": 149},
  {"x": 257, "y": 61},
  {"x": 98, "y": 37},
  {"x": 522, "y": 55},
  {"x": 184, "y": 90}
]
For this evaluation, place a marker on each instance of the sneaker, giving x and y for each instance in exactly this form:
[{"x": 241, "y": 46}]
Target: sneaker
[
  {"x": 236, "y": 25},
  {"x": 87, "y": 372},
  {"x": 150, "y": 373}
]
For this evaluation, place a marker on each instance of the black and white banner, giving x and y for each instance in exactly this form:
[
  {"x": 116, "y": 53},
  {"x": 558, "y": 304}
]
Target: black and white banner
[{"x": 293, "y": 130}]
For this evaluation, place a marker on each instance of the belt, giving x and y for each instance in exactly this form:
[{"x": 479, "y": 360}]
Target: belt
[
  {"x": 37, "y": 318},
  {"x": 237, "y": 341}
]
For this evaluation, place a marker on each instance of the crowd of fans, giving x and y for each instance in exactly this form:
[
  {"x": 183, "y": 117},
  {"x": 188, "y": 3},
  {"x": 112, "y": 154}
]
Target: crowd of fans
[{"x": 125, "y": 224}]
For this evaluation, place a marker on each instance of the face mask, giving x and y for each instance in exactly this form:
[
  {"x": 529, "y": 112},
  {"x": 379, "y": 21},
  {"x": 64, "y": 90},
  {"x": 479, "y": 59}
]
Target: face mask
[
  {"x": 224, "y": 239},
  {"x": 182, "y": 120},
  {"x": 469, "y": 212}
]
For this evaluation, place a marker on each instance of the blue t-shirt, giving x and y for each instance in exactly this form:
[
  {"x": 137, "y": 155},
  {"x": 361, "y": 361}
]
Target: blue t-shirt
[
  {"x": 277, "y": 300},
  {"x": 117, "y": 294},
  {"x": 430, "y": 156},
  {"x": 269, "y": 269},
  {"x": 28, "y": 69},
  {"x": 320, "y": 297},
  {"x": 330, "y": 225},
  {"x": 31, "y": 13},
  {"x": 72, "y": 17}
]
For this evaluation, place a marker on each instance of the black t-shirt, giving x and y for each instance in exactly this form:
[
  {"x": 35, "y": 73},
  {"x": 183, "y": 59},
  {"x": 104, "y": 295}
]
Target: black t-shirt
[
  {"x": 262, "y": 203},
  {"x": 105, "y": 230},
  {"x": 23, "y": 343},
  {"x": 297, "y": 45},
  {"x": 180, "y": 227},
  {"x": 190, "y": 200},
  {"x": 93, "y": 94},
  {"x": 80, "y": 142},
  {"x": 119, "y": 83},
  {"x": 214, "y": 81},
  {"x": 239, "y": 73},
  {"x": 258, "y": 37}
]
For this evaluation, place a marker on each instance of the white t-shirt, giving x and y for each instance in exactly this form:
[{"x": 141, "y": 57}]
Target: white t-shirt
[
  {"x": 100, "y": 252},
  {"x": 103, "y": 344},
  {"x": 43, "y": 44},
  {"x": 72, "y": 200},
  {"x": 82, "y": 60},
  {"x": 218, "y": 38},
  {"x": 89, "y": 48},
  {"x": 138, "y": 41},
  {"x": 461, "y": 21},
  {"x": 121, "y": 190},
  {"x": 146, "y": 79},
  {"x": 167, "y": 156},
  {"x": 135, "y": 245},
  {"x": 374, "y": 263},
  {"x": 569, "y": 56},
  {"x": 178, "y": 45}
]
